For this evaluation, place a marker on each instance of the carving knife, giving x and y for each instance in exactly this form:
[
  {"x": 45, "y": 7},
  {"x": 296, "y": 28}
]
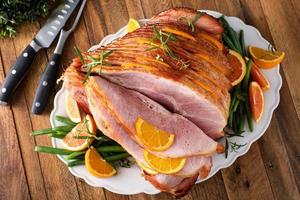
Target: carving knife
[
  {"x": 43, "y": 39},
  {"x": 48, "y": 78}
]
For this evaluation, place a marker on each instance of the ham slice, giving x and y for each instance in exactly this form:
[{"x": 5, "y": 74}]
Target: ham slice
[
  {"x": 128, "y": 105},
  {"x": 205, "y": 22}
]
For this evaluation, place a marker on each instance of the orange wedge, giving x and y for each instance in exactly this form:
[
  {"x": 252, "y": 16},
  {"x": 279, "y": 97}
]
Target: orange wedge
[
  {"x": 164, "y": 165},
  {"x": 96, "y": 165},
  {"x": 265, "y": 59},
  {"x": 212, "y": 39},
  {"x": 147, "y": 169},
  {"x": 179, "y": 33},
  {"x": 259, "y": 77},
  {"x": 132, "y": 25},
  {"x": 256, "y": 98},
  {"x": 153, "y": 138},
  {"x": 80, "y": 137},
  {"x": 72, "y": 109},
  {"x": 238, "y": 65}
]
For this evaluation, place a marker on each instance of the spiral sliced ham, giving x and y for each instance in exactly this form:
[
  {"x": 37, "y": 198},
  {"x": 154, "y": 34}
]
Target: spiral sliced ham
[{"x": 186, "y": 95}]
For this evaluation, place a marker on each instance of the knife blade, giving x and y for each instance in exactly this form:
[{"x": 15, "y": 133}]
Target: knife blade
[
  {"x": 43, "y": 39},
  {"x": 48, "y": 79}
]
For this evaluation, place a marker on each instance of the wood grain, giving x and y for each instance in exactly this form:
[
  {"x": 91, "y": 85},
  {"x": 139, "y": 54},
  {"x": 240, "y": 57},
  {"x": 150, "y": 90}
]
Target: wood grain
[
  {"x": 13, "y": 184},
  {"x": 270, "y": 170}
]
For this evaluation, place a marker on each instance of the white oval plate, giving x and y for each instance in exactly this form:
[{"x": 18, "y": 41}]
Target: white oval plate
[{"x": 128, "y": 180}]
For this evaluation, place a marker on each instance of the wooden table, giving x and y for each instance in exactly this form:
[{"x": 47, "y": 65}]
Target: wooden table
[{"x": 270, "y": 170}]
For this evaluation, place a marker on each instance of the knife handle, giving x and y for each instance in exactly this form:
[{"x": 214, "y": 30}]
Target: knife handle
[
  {"x": 46, "y": 85},
  {"x": 16, "y": 74}
]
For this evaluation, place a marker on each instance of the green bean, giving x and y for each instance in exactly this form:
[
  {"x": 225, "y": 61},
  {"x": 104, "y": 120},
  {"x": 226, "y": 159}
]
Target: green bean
[
  {"x": 245, "y": 83},
  {"x": 242, "y": 42},
  {"x": 116, "y": 157},
  {"x": 64, "y": 120},
  {"x": 52, "y": 150},
  {"x": 75, "y": 155},
  {"x": 241, "y": 125},
  {"x": 242, "y": 118},
  {"x": 76, "y": 162},
  {"x": 43, "y": 131},
  {"x": 230, "y": 118},
  {"x": 111, "y": 149},
  {"x": 104, "y": 154},
  {"x": 63, "y": 128},
  {"x": 248, "y": 114},
  {"x": 224, "y": 22},
  {"x": 228, "y": 42},
  {"x": 234, "y": 38},
  {"x": 236, "y": 104},
  {"x": 58, "y": 135}
]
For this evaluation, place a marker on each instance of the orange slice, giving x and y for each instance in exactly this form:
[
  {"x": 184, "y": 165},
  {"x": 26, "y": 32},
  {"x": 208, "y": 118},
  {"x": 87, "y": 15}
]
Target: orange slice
[
  {"x": 96, "y": 165},
  {"x": 265, "y": 59},
  {"x": 256, "y": 98},
  {"x": 212, "y": 39},
  {"x": 132, "y": 25},
  {"x": 179, "y": 33},
  {"x": 147, "y": 169},
  {"x": 153, "y": 138},
  {"x": 259, "y": 77},
  {"x": 72, "y": 109},
  {"x": 238, "y": 65},
  {"x": 164, "y": 165},
  {"x": 80, "y": 137}
]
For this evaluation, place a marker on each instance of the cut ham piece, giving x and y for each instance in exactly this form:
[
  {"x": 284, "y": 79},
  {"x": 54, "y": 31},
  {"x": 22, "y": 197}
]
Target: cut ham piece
[
  {"x": 198, "y": 92},
  {"x": 128, "y": 105},
  {"x": 137, "y": 82},
  {"x": 107, "y": 123},
  {"x": 205, "y": 22}
]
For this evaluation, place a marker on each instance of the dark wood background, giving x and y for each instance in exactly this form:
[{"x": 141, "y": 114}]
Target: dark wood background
[{"x": 270, "y": 170}]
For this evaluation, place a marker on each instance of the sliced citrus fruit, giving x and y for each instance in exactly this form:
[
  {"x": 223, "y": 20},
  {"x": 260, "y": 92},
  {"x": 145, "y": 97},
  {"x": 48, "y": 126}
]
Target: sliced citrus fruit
[
  {"x": 259, "y": 77},
  {"x": 164, "y": 165},
  {"x": 265, "y": 59},
  {"x": 151, "y": 137},
  {"x": 179, "y": 33},
  {"x": 147, "y": 169},
  {"x": 96, "y": 165},
  {"x": 212, "y": 39},
  {"x": 256, "y": 98},
  {"x": 238, "y": 65},
  {"x": 72, "y": 109},
  {"x": 132, "y": 25},
  {"x": 80, "y": 137}
]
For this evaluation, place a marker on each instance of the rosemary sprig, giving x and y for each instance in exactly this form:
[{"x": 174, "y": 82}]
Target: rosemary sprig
[
  {"x": 232, "y": 145},
  {"x": 164, "y": 38},
  {"x": 93, "y": 61},
  {"x": 191, "y": 22},
  {"x": 235, "y": 146}
]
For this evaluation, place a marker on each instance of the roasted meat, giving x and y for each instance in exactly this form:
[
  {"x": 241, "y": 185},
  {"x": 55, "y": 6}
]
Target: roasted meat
[{"x": 172, "y": 72}]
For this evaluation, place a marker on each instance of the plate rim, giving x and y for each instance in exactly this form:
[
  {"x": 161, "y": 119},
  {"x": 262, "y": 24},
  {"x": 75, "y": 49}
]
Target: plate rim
[{"x": 242, "y": 24}]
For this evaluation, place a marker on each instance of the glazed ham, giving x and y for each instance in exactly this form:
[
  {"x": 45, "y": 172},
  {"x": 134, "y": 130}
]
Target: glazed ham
[
  {"x": 194, "y": 85},
  {"x": 181, "y": 88}
]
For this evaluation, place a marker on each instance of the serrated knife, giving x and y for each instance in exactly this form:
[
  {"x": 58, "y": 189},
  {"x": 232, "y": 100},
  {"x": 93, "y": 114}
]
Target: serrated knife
[
  {"x": 49, "y": 76},
  {"x": 43, "y": 39}
]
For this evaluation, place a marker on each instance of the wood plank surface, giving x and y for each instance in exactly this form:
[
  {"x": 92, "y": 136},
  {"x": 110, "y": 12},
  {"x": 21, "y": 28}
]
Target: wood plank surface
[{"x": 271, "y": 168}]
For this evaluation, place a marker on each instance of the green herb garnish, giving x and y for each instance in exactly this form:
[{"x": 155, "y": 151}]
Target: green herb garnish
[
  {"x": 163, "y": 39},
  {"x": 92, "y": 61},
  {"x": 191, "y": 22},
  {"x": 15, "y": 12}
]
